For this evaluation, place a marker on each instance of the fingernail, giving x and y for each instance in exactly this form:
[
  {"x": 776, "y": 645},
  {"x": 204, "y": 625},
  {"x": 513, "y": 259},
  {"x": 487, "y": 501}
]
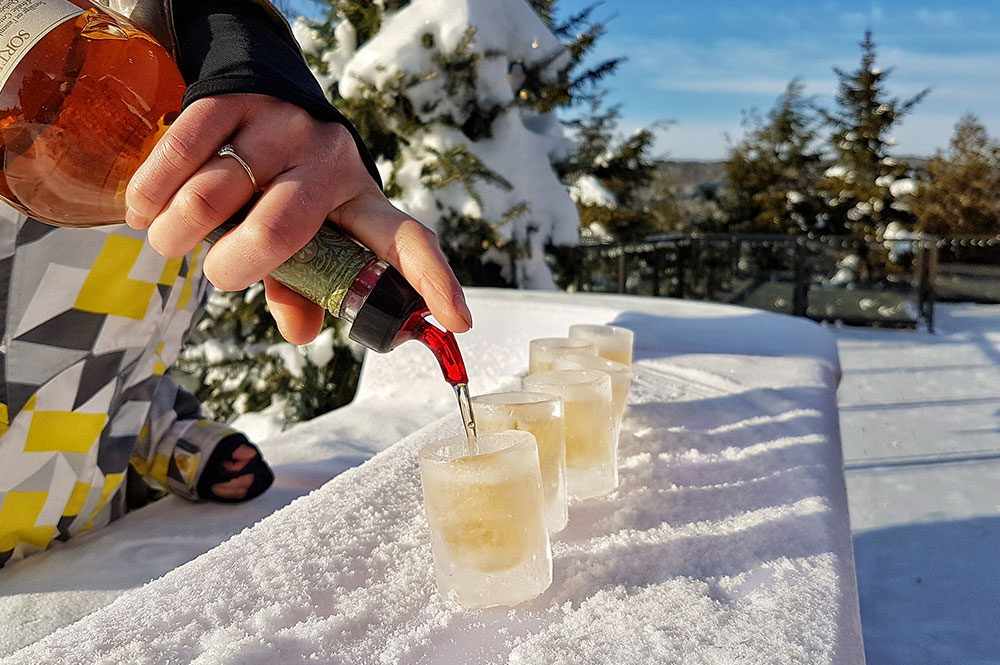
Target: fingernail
[
  {"x": 135, "y": 220},
  {"x": 463, "y": 308}
]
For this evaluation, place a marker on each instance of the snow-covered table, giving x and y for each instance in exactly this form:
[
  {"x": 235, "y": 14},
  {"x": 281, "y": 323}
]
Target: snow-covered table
[{"x": 727, "y": 542}]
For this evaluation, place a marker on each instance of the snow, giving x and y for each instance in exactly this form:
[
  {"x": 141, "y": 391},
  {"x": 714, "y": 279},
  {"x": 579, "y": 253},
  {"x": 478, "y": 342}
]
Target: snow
[
  {"x": 588, "y": 190},
  {"x": 903, "y": 187},
  {"x": 897, "y": 240},
  {"x": 847, "y": 271},
  {"x": 711, "y": 551},
  {"x": 920, "y": 415},
  {"x": 897, "y": 231},
  {"x": 727, "y": 538},
  {"x": 836, "y": 171}
]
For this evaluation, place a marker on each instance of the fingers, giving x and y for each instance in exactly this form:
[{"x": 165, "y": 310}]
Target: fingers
[
  {"x": 310, "y": 172},
  {"x": 369, "y": 217},
  {"x": 233, "y": 489},
  {"x": 187, "y": 145},
  {"x": 184, "y": 189},
  {"x": 299, "y": 320},
  {"x": 282, "y": 221},
  {"x": 236, "y": 488},
  {"x": 206, "y": 200},
  {"x": 297, "y": 199},
  {"x": 278, "y": 226},
  {"x": 413, "y": 249},
  {"x": 221, "y": 186},
  {"x": 239, "y": 459}
]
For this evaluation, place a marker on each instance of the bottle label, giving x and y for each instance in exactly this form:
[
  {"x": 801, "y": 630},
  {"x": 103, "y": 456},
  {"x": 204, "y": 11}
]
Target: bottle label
[
  {"x": 24, "y": 23},
  {"x": 325, "y": 268}
]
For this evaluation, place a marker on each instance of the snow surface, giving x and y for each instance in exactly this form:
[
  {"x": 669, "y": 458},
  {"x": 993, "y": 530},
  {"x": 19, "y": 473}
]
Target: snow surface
[
  {"x": 727, "y": 541},
  {"x": 919, "y": 415}
]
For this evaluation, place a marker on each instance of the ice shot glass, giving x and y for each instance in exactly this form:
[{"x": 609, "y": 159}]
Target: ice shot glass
[
  {"x": 486, "y": 518},
  {"x": 591, "y": 441},
  {"x": 612, "y": 342},
  {"x": 542, "y": 351},
  {"x": 621, "y": 378},
  {"x": 542, "y": 415}
]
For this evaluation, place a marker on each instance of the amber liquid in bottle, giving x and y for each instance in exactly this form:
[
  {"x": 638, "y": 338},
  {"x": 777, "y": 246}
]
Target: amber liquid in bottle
[{"x": 79, "y": 113}]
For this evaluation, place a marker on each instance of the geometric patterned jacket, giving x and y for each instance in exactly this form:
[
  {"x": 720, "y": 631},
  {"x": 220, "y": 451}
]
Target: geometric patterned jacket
[{"x": 89, "y": 321}]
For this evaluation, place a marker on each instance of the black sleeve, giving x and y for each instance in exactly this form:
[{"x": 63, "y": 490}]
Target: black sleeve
[{"x": 234, "y": 46}]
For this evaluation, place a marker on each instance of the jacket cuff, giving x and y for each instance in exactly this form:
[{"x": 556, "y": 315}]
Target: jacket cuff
[
  {"x": 158, "y": 19},
  {"x": 191, "y": 454}
]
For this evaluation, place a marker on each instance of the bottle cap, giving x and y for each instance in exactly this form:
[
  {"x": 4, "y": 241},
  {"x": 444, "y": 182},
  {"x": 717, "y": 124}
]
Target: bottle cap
[{"x": 389, "y": 304}]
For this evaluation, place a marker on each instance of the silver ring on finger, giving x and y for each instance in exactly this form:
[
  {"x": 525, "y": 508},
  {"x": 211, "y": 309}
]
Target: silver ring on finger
[{"x": 229, "y": 150}]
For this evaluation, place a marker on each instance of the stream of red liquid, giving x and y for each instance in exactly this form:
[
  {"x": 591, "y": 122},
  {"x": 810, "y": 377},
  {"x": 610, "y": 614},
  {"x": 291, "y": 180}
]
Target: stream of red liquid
[{"x": 444, "y": 346}]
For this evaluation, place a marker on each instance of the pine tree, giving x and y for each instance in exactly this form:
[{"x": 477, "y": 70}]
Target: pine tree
[
  {"x": 858, "y": 186},
  {"x": 622, "y": 165},
  {"x": 773, "y": 172},
  {"x": 576, "y": 85},
  {"x": 961, "y": 193},
  {"x": 432, "y": 110},
  {"x": 235, "y": 362}
]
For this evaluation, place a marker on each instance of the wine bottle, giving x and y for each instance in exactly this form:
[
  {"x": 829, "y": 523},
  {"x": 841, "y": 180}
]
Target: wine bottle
[{"x": 84, "y": 97}]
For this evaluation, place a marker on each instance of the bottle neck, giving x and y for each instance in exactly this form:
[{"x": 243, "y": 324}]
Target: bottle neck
[{"x": 360, "y": 289}]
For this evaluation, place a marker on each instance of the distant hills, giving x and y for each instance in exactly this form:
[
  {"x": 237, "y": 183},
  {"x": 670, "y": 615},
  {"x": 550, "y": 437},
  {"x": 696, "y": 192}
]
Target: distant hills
[{"x": 689, "y": 176}]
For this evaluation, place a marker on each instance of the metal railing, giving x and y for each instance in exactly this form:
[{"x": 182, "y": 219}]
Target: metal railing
[{"x": 892, "y": 283}]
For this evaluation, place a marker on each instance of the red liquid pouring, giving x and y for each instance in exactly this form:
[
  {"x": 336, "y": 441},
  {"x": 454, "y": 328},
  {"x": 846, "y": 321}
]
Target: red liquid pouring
[{"x": 443, "y": 345}]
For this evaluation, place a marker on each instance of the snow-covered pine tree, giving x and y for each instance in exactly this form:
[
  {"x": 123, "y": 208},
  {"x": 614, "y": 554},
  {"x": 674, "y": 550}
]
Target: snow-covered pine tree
[
  {"x": 605, "y": 171},
  {"x": 961, "y": 192},
  {"x": 606, "y": 174},
  {"x": 455, "y": 99},
  {"x": 859, "y": 186},
  {"x": 773, "y": 171}
]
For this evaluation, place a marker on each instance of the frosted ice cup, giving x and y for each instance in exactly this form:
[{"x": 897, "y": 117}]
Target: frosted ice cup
[
  {"x": 611, "y": 342},
  {"x": 485, "y": 514},
  {"x": 591, "y": 441},
  {"x": 621, "y": 378},
  {"x": 542, "y": 351},
  {"x": 542, "y": 415}
]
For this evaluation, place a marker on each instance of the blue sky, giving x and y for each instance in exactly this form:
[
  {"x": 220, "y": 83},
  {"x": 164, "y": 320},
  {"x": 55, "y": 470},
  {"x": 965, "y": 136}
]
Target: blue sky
[{"x": 701, "y": 64}]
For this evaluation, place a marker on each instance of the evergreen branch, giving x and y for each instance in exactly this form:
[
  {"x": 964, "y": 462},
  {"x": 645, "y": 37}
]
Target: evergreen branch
[
  {"x": 518, "y": 210},
  {"x": 575, "y": 22},
  {"x": 460, "y": 165}
]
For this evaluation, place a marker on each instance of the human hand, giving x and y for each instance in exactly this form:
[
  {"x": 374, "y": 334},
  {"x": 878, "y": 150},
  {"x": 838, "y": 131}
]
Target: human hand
[{"x": 310, "y": 171}]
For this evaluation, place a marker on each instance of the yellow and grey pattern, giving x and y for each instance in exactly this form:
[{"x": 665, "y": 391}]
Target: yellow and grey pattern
[{"x": 90, "y": 318}]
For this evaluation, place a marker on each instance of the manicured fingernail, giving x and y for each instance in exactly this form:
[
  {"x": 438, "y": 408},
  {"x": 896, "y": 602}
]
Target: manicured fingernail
[
  {"x": 463, "y": 308},
  {"x": 135, "y": 220}
]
